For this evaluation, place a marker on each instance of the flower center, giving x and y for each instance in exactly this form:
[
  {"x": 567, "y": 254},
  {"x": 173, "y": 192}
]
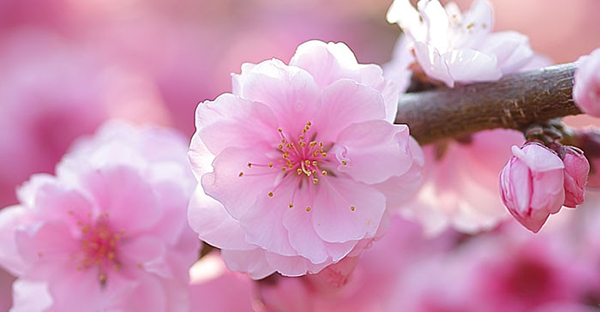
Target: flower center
[
  {"x": 301, "y": 158},
  {"x": 99, "y": 243}
]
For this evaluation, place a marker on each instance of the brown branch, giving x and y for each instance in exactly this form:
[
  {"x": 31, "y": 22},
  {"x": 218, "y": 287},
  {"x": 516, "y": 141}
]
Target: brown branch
[{"x": 513, "y": 102}]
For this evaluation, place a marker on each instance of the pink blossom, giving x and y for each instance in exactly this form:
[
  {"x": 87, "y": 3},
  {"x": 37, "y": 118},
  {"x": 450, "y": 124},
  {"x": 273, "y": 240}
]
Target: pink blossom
[
  {"x": 110, "y": 227},
  {"x": 460, "y": 184},
  {"x": 577, "y": 169},
  {"x": 299, "y": 162},
  {"x": 53, "y": 92},
  {"x": 454, "y": 47},
  {"x": 586, "y": 86},
  {"x": 531, "y": 185}
]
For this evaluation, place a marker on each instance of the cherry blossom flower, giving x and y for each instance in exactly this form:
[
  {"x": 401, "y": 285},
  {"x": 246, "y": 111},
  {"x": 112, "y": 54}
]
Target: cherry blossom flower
[
  {"x": 108, "y": 228},
  {"x": 454, "y": 47},
  {"x": 532, "y": 185},
  {"x": 300, "y": 162},
  {"x": 586, "y": 86}
]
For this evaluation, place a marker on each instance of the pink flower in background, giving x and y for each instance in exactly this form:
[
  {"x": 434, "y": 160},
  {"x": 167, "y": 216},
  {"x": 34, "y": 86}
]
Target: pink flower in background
[
  {"x": 454, "y": 47},
  {"x": 586, "y": 86},
  {"x": 532, "y": 185},
  {"x": 460, "y": 187},
  {"x": 301, "y": 160},
  {"x": 108, "y": 228},
  {"x": 577, "y": 169},
  {"x": 53, "y": 92}
]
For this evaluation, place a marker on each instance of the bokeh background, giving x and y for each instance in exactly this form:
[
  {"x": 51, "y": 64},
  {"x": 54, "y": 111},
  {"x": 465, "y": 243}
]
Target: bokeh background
[{"x": 68, "y": 65}]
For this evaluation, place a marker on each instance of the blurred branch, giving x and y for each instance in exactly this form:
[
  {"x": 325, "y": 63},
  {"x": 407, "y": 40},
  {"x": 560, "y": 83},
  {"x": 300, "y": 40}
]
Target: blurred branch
[{"x": 513, "y": 102}]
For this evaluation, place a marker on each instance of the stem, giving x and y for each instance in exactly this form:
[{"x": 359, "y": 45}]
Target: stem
[{"x": 513, "y": 102}]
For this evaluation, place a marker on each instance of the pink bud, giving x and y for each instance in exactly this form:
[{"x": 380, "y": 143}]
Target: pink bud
[
  {"x": 531, "y": 185},
  {"x": 577, "y": 169},
  {"x": 586, "y": 87}
]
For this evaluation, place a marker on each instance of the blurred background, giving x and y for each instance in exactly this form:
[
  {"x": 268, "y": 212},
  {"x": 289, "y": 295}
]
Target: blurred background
[{"x": 68, "y": 65}]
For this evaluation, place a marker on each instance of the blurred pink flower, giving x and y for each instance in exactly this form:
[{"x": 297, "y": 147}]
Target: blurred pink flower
[
  {"x": 302, "y": 158},
  {"x": 53, "y": 92},
  {"x": 452, "y": 47},
  {"x": 532, "y": 185},
  {"x": 460, "y": 187},
  {"x": 586, "y": 86},
  {"x": 109, "y": 227},
  {"x": 577, "y": 169}
]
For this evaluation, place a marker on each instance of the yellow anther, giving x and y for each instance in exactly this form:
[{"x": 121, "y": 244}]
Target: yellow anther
[
  {"x": 249, "y": 165},
  {"x": 307, "y": 208},
  {"x": 291, "y": 205},
  {"x": 282, "y": 140},
  {"x": 352, "y": 208},
  {"x": 315, "y": 163},
  {"x": 290, "y": 166},
  {"x": 299, "y": 171},
  {"x": 270, "y": 165},
  {"x": 270, "y": 194},
  {"x": 307, "y": 162},
  {"x": 324, "y": 172},
  {"x": 324, "y": 154},
  {"x": 280, "y": 146},
  {"x": 315, "y": 180},
  {"x": 241, "y": 174},
  {"x": 79, "y": 268},
  {"x": 102, "y": 278},
  {"x": 320, "y": 144},
  {"x": 313, "y": 143},
  {"x": 302, "y": 137},
  {"x": 344, "y": 162},
  {"x": 470, "y": 26},
  {"x": 308, "y": 123},
  {"x": 279, "y": 129},
  {"x": 283, "y": 169}
]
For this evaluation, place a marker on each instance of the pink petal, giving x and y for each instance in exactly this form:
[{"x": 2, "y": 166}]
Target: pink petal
[
  {"x": 538, "y": 159},
  {"x": 336, "y": 222},
  {"x": 10, "y": 219},
  {"x": 466, "y": 65},
  {"x": 126, "y": 197},
  {"x": 43, "y": 241},
  {"x": 305, "y": 240},
  {"x": 289, "y": 91},
  {"x": 147, "y": 251},
  {"x": 349, "y": 102},
  {"x": 248, "y": 187},
  {"x": 224, "y": 122},
  {"x": 30, "y": 296},
  {"x": 376, "y": 150},
  {"x": 432, "y": 63},
  {"x": 213, "y": 224},
  {"x": 329, "y": 62},
  {"x": 253, "y": 262},
  {"x": 293, "y": 266},
  {"x": 263, "y": 222}
]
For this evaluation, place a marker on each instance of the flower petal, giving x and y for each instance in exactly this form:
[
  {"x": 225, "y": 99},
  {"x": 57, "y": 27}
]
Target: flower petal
[{"x": 335, "y": 221}]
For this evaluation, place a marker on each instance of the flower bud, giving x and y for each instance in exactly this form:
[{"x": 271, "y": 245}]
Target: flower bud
[
  {"x": 577, "y": 169},
  {"x": 531, "y": 185},
  {"x": 586, "y": 87}
]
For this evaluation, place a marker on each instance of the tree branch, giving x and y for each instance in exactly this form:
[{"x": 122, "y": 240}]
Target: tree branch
[{"x": 513, "y": 102}]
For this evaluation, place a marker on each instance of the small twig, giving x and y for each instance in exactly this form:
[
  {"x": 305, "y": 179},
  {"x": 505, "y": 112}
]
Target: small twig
[{"x": 513, "y": 102}]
